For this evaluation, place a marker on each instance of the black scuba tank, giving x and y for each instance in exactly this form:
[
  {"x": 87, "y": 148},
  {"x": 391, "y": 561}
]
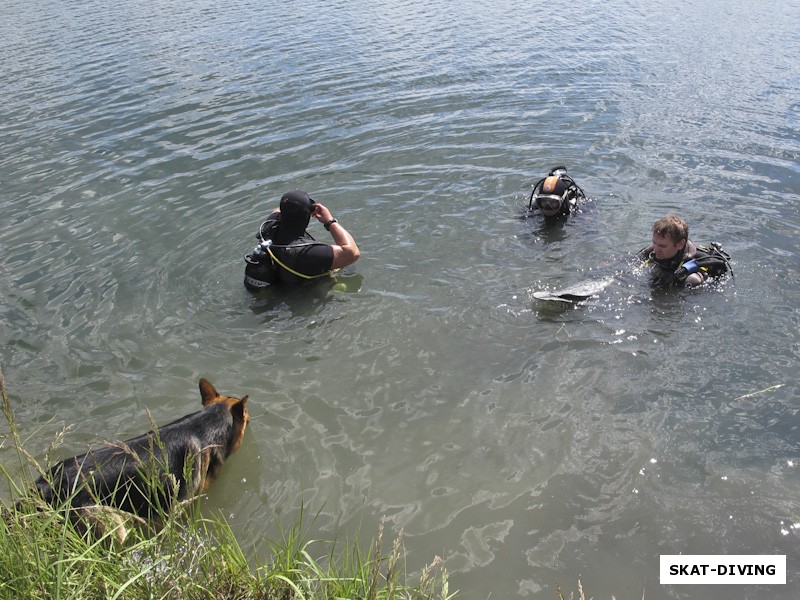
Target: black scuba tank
[{"x": 260, "y": 271}]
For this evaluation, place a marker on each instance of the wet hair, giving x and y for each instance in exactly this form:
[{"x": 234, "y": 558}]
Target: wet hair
[{"x": 672, "y": 227}]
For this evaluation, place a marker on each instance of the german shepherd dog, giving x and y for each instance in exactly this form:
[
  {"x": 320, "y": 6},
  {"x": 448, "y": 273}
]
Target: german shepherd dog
[{"x": 147, "y": 474}]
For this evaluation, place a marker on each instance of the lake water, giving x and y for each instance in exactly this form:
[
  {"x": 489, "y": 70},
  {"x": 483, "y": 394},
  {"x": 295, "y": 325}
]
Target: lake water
[{"x": 142, "y": 143}]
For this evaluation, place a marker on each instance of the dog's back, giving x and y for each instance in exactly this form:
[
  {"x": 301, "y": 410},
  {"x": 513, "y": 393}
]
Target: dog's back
[{"x": 149, "y": 472}]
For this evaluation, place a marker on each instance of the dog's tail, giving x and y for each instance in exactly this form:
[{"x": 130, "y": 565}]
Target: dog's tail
[{"x": 45, "y": 490}]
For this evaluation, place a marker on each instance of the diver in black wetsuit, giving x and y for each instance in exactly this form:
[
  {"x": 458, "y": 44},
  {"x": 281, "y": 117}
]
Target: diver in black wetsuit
[
  {"x": 287, "y": 253},
  {"x": 557, "y": 195},
  {"x": 676, "y": 260}
]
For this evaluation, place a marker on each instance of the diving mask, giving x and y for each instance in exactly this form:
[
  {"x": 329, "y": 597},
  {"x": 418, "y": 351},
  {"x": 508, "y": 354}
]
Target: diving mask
[{"x": 549, "y": 202}]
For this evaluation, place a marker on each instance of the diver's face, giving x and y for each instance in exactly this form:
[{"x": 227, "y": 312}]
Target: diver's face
[
  {"x": 551, "y": 212},
  {"x": 550, "y": 205},
  {"x": 665, "y": 248}
]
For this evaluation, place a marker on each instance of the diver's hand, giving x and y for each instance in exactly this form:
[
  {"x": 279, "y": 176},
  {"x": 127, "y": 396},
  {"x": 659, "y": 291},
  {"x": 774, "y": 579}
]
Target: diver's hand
[{"x": 321, "y": 213}]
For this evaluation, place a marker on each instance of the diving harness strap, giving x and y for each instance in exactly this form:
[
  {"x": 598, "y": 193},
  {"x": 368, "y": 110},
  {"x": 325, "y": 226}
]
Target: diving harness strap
[{"x": 267, "y": 245}]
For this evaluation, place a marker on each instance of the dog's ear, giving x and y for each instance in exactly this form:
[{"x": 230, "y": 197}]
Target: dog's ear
[
  {"x": 207, "y": 391},
  {"x": 239, "y": 409},
  {"x": 240, "y": 419}
]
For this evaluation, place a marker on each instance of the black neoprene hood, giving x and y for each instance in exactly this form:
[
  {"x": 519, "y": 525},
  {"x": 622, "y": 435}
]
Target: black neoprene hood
[{"x": 296, "y": 208}]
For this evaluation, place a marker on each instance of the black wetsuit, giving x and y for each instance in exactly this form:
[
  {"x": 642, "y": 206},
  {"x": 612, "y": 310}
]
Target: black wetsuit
[{"x": 710, "y": 262}]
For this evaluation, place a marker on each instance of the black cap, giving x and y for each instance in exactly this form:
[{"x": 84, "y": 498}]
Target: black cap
[
  {"x": 296, "y": 208},
  {"x": 296, "y": 205}
]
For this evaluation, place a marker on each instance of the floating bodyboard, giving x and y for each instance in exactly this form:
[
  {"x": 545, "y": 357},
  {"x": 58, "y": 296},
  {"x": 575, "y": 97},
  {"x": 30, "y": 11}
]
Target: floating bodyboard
[{"x": 575, "y": 293}]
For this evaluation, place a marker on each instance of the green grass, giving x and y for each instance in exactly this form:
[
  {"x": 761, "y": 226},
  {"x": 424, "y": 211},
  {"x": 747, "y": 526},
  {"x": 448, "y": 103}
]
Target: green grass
[{"x": 45, "y": 554}]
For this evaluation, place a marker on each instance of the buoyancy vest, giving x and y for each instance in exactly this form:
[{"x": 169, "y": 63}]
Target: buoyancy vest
[
  {"x": 301, "y": 260},
  {"x": 711, "y": 261}
]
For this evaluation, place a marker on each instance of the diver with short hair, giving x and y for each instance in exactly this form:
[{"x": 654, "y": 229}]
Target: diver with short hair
[
  {"x": 676, "y": 260},
  {"x": 287, "y": 253},
  {"x": 556, "y": 195}
]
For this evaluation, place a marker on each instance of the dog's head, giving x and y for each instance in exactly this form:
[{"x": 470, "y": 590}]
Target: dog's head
[{"x": 238, "y": 408}]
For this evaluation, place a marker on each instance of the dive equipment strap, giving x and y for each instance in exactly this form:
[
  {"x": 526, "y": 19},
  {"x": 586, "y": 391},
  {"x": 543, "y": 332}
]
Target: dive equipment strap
[
  {"x": 292, "y": 271},
  {"x": 687, "y": 268}
]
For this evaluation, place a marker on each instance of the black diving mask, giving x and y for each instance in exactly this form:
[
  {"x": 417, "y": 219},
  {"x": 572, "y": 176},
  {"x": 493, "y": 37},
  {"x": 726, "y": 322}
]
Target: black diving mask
[{"x": 549, "y": 202}]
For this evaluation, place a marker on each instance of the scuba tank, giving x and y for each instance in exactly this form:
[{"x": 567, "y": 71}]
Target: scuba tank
[{"x": 260, "y": 270}]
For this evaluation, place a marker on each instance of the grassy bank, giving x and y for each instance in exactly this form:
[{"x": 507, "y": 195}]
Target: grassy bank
[{"x": 44, "y": 555}]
